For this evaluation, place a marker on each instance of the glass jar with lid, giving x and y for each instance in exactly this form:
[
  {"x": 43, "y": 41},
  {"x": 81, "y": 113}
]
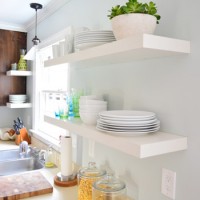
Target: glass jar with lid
[
  {"x": 86, "y": 177},
  {"x": 109, "y": 188}
]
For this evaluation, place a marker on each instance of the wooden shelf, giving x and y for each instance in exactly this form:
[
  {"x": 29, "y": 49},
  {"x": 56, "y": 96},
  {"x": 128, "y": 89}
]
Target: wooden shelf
[
  {"x": 133, "y": 48},
  {"x": 139, "y": 146},
  {"x": 18, "y": 73},
  {"x": 19, "y": 105}
]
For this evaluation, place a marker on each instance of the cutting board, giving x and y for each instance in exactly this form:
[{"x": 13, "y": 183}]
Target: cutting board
[{"x": 24, "y": 185}]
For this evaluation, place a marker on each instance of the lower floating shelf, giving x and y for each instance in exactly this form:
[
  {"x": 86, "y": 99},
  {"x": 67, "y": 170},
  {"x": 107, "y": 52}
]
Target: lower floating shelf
[
  {"x": 18, "y": 73},
  {"x": 138, "y": 146},
  {"x": 19, "y": 105}
]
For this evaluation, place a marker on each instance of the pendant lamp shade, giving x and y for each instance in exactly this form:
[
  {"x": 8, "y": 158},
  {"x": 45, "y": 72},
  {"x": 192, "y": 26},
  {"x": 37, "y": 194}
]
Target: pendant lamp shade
[{"x": 32, "y": 52}]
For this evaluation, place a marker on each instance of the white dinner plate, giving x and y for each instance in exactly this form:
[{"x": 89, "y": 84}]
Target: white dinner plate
[
  {"x": 128, "y": 129},
  {"x": 123, "y": 129},
  {"x": 127, "y": 114},
  {"x": 89, "y": 45},
  {"x": 17, "y": 101},
  {"x": 128, "y": 121},
  {"x": 130, "y": 124},
  {"x": 126, "y": 133},
  {"x": 93, "y": 40},
  {"x": 94, "y": 33}
]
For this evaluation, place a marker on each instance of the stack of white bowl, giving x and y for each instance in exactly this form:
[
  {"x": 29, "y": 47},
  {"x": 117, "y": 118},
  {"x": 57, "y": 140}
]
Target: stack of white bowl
[
  {"x": 90, "y": 107},
  {"x": 17, "y": 98}
]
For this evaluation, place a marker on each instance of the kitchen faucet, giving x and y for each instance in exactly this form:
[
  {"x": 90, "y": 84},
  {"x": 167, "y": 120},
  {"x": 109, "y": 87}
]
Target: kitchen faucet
[
  {"x": 37, "y": 153},
  {"x": 23, "y": 149}
]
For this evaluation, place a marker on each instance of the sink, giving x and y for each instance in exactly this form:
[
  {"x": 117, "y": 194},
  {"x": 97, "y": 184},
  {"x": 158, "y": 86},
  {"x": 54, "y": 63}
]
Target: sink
[
  {"x": 21, "y": 165},
  {"x": 11, "y": 162},
  {"x": 11, "y": 154}
]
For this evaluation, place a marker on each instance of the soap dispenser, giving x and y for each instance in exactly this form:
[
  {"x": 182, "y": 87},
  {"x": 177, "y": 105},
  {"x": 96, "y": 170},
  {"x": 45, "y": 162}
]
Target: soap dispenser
[{"x": 48, "y": 156}]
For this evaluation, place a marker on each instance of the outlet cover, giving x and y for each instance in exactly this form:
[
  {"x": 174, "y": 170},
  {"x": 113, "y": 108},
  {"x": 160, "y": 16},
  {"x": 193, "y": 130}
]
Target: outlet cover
[{"x": 168, "y": 187}]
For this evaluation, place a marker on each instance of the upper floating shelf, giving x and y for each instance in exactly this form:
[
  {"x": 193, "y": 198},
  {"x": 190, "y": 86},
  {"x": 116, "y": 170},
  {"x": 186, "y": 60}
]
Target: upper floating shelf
[
  {"x": 18, "y": 73},
  {"x": 19, "y": 105},
  {"x": 133, "y": 48},
  {"x": 138, "y": 146}
]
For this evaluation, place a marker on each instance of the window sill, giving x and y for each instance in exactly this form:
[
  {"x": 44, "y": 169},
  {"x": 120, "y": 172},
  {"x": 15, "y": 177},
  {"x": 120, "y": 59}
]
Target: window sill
[{"x": 46, "y": 139}]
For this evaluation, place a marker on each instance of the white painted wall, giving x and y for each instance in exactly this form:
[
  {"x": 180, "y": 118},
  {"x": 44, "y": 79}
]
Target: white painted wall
[
  {"x": 7, "y": 115},
  {"x": 167, "y": 86}
]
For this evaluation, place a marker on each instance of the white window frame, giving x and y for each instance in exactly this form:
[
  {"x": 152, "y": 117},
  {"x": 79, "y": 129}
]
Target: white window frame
[{"x": 37, "y": 73}]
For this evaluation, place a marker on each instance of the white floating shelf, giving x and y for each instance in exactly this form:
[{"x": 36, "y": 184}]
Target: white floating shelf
[
  {"x": 125, "y": 50},
  {"x": 18, "y": 73},
  {"x": 19, "y": 105},
  {"x": 139, "y": 146}
]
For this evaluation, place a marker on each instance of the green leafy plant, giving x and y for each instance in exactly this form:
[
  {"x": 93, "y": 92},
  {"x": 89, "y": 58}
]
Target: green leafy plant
[{"x": 133, "y": 6}]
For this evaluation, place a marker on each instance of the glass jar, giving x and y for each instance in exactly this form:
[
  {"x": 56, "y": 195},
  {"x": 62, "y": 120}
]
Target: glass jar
[
  {"x": 86, "y": 177},
  {"x": 109, "y": 188}
]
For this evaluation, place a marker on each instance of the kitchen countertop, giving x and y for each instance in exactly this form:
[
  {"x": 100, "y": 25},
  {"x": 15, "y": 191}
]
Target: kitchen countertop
[{"x": 59, "y": 193}]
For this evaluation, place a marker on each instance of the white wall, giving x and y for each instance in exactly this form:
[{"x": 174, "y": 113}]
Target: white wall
[
  {"x": 7, "y": 116},
  {"x": 167, "y": 86}
]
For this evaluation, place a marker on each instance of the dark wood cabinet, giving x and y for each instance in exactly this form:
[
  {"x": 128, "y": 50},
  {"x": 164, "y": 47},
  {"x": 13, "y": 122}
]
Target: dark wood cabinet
[{"x": 10, "y": 44}]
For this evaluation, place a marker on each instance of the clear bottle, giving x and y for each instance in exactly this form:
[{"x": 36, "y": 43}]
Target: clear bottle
[
  {"x": 86, "y": 177},
  {"x": 109, "y": 188}
]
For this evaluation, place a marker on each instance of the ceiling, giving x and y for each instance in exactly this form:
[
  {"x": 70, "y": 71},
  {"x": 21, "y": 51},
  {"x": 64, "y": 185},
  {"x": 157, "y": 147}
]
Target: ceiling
[{"x": 18, "y": 15}]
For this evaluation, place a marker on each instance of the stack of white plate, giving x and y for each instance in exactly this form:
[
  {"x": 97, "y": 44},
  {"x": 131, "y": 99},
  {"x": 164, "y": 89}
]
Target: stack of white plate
[
  {"x": 87, "y": 39},
  {"x": 128, "y": 122},
  {"x": 17, "y": 98},
  {"x": 89, "y": 108}
]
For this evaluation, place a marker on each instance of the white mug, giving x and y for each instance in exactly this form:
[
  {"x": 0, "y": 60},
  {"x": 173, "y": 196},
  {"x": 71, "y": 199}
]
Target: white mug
[
  {"x": 62, "y": 48},
  {"x": 56, "y": 50}
]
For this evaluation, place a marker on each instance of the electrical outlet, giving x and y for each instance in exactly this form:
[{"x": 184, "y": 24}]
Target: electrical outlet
[{"x": 168, "y": 187}]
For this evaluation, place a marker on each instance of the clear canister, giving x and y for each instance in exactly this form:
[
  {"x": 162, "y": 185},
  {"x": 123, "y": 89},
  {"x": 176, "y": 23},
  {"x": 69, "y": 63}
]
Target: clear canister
[
  {"x": 86, "y": 177},
  {"x": 109, "y": 188}
]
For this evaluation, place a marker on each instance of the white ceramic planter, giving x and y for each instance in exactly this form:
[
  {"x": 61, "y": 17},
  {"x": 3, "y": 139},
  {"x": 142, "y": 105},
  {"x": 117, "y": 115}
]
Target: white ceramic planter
[{"x": 134, "y": 24}]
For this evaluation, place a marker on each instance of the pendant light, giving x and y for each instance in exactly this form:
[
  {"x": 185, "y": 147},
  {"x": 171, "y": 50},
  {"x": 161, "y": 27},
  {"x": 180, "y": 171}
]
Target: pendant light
[{"x": 31, "y": 53}]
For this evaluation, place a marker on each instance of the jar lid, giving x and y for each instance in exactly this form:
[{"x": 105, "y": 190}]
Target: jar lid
[
  {"x": 109, "y": 184},
  {"x": 91, "y": 171}
]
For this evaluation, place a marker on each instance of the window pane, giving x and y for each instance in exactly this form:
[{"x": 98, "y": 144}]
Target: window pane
[{"x": 54, "y": 78}]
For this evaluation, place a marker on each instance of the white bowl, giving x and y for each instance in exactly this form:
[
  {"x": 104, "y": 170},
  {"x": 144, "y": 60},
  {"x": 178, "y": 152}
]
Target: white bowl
[
  {"x": 17, "y": 97},
  {"x": 92, "y": 108},
  {"x": 89, "y": 118},
  {"x": 92, "y": 102},
  {"x": 14, "y": 96},
  {"x": 94, "y": 97}
]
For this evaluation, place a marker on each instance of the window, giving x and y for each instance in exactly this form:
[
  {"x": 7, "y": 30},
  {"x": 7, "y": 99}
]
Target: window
[{"x": 50, "y": 86}]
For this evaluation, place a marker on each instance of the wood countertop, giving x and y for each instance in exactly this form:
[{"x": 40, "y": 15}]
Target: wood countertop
[{"x": 59, "y": 193}]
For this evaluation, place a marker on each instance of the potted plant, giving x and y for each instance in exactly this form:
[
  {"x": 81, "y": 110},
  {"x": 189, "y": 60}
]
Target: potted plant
[{"x": 134, "y": 18}]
